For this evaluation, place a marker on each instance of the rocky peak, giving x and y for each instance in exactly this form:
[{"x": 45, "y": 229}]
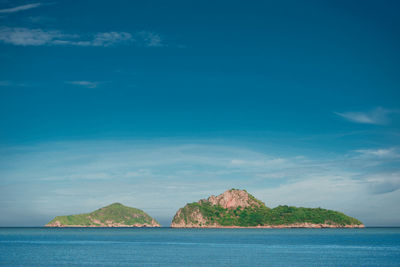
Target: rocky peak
[{"x": 231, "y": 199}]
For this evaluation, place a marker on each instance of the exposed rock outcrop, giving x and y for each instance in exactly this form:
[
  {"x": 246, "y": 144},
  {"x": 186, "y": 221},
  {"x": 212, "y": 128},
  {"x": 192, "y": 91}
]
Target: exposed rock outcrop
[
  {"x": 231, "y": 199},
  {"x": 238, "y": 209}
]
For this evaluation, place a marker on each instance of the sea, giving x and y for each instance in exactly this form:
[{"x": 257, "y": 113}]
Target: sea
[{"x": 39, "y": 246}]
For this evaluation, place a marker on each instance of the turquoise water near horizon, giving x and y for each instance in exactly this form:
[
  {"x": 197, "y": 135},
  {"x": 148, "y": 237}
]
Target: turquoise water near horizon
[{"x": 40, "y": 246}]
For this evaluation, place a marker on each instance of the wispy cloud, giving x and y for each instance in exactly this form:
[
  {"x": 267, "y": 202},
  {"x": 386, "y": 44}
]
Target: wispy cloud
[
  {"x": 150, "y": 39},
  {"x": 20, "y": 8},
  {"x": 27, "y": 37},
  {"x": 87, "y": 84},
  {"x": 108, "y": 38},
  {"x": 84, "y": 175},
  {"x": 384, "y": 182},
  {"x": 379, "y": 153},
  {"x": 38, "y": 37},
  {"x": 376, "y": 116},
  {"x": 275, "y": 162}
]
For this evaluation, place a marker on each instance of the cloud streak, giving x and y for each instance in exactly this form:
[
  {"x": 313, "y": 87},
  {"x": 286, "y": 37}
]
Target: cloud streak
[
  {"x": 40, "y": 37},
  {"x": 19, "y": 8},
  {"x": 30, "y": 37},
  {"x": 378, "y": 116},
  {"x": 87, "y": 84}
]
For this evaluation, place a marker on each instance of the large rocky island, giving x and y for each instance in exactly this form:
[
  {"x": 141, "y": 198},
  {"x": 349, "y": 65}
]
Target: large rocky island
[
  {"x": 239, "y": 209},
  {"x": 114, "y": 215}
]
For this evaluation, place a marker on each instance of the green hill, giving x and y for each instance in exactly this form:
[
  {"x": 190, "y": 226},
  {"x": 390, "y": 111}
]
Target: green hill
[
  {"x": 114, "y": 215},
  {"x": 237, "y": 208}
]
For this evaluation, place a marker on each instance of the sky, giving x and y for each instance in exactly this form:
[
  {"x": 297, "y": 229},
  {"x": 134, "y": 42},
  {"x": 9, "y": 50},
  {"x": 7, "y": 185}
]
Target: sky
[{"x": 155, "y": 104}]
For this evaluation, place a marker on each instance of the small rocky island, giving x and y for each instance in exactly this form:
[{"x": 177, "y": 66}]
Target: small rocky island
[
  {"x": 114, "y": 215},
  {"x": 239, "y": 209}
]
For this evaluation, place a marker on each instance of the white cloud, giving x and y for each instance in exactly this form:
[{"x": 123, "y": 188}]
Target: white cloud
[
  {"x": 382, "y": 183},
  {"x": 29, "y": 37},
  {"x": 102, "y": 39},
  {"x": 380, "y": 153},
  {"x": 38, "y": 37},
  {"x": 20, "y": 8},
  {"x": 160, "y": 177},
  {"x": 150, "y": 39},
  {"x": 274, "y": 162},
  {"x": 110, "y": 38},
  {"x": 87, "y": 84},
  {"x": 376, "y": 116}
]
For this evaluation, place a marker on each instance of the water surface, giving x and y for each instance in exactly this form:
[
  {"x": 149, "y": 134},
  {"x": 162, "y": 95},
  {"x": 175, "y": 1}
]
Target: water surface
[{"x": 199, "y": 247}]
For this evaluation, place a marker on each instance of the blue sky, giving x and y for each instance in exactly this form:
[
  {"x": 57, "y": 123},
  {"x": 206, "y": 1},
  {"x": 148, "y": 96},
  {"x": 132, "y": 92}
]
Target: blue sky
[{"x": 158, "y": 103}]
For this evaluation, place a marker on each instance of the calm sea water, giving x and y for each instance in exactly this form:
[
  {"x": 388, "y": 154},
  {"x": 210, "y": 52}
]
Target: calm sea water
[{"x": 199, "y": 247}]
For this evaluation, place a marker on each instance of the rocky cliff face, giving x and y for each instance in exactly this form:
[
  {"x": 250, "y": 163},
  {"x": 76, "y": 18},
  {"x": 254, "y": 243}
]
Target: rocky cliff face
[
  {"x": 238, "y": 209},
  {"x": 114, "y": 215},
  {"x": 232, "y": 199},
  {"x": 192, "y": 215}
]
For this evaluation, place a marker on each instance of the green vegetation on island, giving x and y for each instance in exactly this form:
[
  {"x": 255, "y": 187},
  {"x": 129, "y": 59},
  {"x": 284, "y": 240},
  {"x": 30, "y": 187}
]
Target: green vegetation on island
[
  {"x": 114, "y": 215},
  {"x": 253, "y": 213}
]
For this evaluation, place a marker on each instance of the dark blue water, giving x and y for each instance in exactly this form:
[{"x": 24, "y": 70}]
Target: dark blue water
[{"x": 199, "y": 247}]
